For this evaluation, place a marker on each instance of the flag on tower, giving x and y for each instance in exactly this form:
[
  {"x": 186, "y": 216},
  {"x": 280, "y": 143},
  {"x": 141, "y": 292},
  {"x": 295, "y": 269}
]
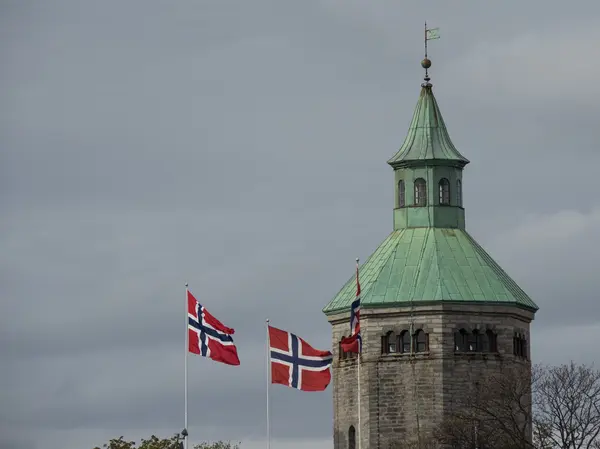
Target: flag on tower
[
  {"x": 353, "y": 343},
  {"x": 207, "y": 336},
  {"x": 432, "y": 33},
  {"x": 297, "y": 364}
]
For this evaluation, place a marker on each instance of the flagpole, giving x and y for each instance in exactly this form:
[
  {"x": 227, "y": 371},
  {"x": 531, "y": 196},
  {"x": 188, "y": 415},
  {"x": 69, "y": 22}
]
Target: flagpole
[
  {"x": 268, "y": 386},
  {"x": 358, "y": 390},
  {"x": 358, "y": 375},
  {"x": 187, "y": 336}
]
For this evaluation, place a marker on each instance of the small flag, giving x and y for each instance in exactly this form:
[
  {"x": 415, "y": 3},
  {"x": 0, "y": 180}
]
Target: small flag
[
  {"x": 353, "y": 343},
  {"x": 296, "y": 364},
  {"x": 433, "y": 33},
  {"x": 207, "y": 336}
]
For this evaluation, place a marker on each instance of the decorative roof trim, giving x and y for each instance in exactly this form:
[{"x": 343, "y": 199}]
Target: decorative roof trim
[{"x": 444, "y": 302}]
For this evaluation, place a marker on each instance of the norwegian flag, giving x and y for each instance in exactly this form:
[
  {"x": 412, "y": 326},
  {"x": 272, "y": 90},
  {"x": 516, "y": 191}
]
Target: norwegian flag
[
  {"x": 353, "y": 343},
  {"x": 297, "y": 364},
  {"x": 207, "y": 336}
]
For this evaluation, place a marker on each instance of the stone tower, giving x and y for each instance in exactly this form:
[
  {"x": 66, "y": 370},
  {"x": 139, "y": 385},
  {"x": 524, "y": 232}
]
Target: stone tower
[{"x": 436, "y": 311}]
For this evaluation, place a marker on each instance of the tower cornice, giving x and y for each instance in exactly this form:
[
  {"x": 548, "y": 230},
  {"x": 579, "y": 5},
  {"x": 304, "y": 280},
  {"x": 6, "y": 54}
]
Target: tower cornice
[{"x": 428, "y": 162}]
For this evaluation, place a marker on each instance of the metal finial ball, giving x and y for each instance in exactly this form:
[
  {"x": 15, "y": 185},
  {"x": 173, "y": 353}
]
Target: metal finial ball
[{"x": 426, "y": 63}]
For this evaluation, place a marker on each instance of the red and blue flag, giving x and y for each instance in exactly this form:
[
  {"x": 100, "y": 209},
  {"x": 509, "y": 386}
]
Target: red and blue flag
[
  {"x": 353, "y": 343},
  {"x": 207, "y": 336},
  {"x": 296, "y": 364}
]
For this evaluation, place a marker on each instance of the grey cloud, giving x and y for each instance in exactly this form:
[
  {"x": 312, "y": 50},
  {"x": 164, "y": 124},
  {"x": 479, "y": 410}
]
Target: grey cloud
[
  {"x": 16, "y": 443},
  {"x": 548, "y": 349},
  {"x": 563, "y": 278},
  {"x": 242, "y": 149},
  {"x": 119, "y": 391}
]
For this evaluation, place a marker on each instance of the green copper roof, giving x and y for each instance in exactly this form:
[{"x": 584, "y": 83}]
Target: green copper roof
[
  {"x": 422, "y": 265},
  {"x": 427, "y": 137}
]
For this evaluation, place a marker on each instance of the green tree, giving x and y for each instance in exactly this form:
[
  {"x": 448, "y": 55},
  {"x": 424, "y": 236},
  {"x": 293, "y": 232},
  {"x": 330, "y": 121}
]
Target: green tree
[
  {"x": 175, "y": 442},
  {"x": 218, "y": 445},
  {"x": 118, "y": 443}
]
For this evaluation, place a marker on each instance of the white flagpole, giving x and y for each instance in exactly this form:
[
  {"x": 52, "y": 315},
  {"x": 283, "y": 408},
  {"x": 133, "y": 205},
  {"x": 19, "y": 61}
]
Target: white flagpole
[
  {"x": 358, "y": 372},
  {"x": 268, "y": 387},
  {"x": 185, "y": 415},
  {"x": 358, "y": 389}
]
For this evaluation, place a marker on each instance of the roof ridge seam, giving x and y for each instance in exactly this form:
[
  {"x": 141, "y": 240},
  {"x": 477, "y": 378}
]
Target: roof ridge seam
[
  {"x": 422, "y": 252},
  {"x": 437, "y": 261}
]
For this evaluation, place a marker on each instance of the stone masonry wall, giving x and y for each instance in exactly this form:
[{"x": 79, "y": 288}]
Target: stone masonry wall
[
  {"x": 345, "y": 398},
  {"x": 462, "y": 371},
  {"x": 404, "y": 396}
]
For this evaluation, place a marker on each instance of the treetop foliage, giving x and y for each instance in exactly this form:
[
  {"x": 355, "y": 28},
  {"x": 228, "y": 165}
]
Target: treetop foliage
[{"x": 175, "y": 442}]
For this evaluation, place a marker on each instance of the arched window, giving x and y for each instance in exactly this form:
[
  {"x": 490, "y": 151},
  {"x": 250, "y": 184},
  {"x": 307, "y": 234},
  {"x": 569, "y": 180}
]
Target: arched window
[
  {"x": 420, "y": 192},
  {"x": 493, "y": 347},
  {"x": 460, "y": 341},
  {"x": 420, "y": 341},
  {"x": 444, "y": 192},
  {"x": 483, "y": 342},
  {"x": 458, "y": 193},
  {"x": 520, "y": 346},
  {"x": 401, "y": 194},
  {"x": 389, "y": 343},
  {"x": 392, "y": 345},
  {"x": 472, "y": 340},
  {"x": 405, "y": 342},
  {"x": 351, "y": 438},
  {"x": 516, "y": 345}
]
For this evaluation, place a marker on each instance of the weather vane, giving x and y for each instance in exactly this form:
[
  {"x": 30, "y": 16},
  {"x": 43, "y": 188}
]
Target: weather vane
[{"x": 430, "y": 34}]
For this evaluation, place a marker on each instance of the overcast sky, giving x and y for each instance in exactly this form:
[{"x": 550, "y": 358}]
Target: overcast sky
[{"x": 241, "y": 146}]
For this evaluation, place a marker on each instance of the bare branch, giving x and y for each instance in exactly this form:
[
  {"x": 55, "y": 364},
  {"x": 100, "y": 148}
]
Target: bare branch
[
  {"x": 498, "y": 413},
  {"x": 567, "y": 402}
]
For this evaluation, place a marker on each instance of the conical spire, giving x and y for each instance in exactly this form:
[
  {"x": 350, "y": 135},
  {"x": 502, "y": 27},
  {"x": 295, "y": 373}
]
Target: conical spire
[{"x": 428, "y": 138}]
